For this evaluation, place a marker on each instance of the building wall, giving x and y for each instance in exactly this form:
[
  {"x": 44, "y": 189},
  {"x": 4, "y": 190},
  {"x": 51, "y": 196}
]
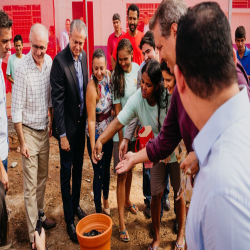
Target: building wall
[
  {"x": 63, "y": 10},
  {"x": 104, "y": 10},
  {"x": 47, "y": 15},
  {"x": 241, "y": 17}
]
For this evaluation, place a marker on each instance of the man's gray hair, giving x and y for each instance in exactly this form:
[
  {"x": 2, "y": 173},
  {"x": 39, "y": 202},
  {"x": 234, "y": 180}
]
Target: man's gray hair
[
  {"x": 38, "y": 28},
  {"x": 168, "y": 12},
  {"x": 79, "y": 25}
]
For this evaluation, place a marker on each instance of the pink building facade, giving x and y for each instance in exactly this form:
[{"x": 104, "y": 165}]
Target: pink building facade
[{"x": 97, "y": 15}]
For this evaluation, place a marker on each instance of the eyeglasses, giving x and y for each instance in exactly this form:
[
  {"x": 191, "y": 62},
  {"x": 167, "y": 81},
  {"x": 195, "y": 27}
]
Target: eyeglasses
[
  {"x": 76, "y": 42},
  {"x": 36, "y": 47}
]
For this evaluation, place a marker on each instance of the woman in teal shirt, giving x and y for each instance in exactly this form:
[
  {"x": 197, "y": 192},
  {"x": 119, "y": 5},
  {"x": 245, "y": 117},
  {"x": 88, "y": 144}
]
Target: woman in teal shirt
[{"x": 148, "y": 104}]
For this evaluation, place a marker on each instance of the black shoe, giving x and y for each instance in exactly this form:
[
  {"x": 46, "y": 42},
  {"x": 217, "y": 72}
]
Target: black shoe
[
  {"x": 79, "y": 213},
  {"x": 71, "y": 230},
  {"x": 166, "y": 204},
  {"x": 175, "y": 226}
]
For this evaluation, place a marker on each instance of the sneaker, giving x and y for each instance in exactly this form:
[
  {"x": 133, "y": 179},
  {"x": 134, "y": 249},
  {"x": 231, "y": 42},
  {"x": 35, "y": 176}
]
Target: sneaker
[
  {"x": 166, "y": 204},
  {"x": 147, "y": 211}
]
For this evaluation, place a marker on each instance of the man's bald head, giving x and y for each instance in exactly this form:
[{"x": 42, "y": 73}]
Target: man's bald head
[
  {"x": 39, "y": 42},
  {"x": 40, "y": 31}
]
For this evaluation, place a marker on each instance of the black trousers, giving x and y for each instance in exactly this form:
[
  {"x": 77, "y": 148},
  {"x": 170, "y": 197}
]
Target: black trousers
[{"x": 71, "y": 163}]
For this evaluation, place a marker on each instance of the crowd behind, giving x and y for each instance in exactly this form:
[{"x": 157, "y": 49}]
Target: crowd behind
[{"x": 181, "y": 76}]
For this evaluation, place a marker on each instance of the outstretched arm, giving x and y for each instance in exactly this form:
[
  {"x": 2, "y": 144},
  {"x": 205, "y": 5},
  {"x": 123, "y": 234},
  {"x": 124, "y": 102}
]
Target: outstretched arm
[
  {"x": 130, "y": 159},
  {"x": 107, "y": 134}
]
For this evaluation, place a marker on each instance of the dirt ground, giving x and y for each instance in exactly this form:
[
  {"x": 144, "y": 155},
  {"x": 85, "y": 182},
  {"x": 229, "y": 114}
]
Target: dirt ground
[{"x": 138, "y": 226}]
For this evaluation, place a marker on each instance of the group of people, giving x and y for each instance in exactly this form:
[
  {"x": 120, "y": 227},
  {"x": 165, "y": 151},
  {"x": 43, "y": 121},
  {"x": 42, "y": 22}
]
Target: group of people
[{"x": 208, "y": 108}]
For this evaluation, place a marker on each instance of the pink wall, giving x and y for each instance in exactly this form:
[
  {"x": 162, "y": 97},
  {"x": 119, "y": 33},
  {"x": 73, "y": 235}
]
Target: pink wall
[{"x": 104, "y": 10}]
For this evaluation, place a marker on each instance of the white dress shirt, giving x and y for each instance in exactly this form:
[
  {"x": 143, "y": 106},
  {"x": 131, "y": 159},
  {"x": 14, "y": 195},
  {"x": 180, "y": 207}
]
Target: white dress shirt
[
  {"x": 4, "y": 147},
  {"x": 219, "y": 213},
  {"x": 31, "y": 93},
  {"x": 64, "y": 39}
]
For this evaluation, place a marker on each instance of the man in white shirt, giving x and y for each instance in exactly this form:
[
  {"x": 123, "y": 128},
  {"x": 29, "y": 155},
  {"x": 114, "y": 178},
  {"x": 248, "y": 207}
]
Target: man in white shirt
[
  {"x": 15, "y": 59},
  {"x": 219, "y": 213},
  {"x": 65, "y": 35},
  {"x": 31, "y": 102},
  {"x": 5, "y": 38}
]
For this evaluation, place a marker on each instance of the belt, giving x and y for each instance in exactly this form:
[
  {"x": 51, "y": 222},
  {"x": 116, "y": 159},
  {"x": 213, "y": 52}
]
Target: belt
[
  {"x": 101, "y": 117},
  {"x": 38, "y": 130}
]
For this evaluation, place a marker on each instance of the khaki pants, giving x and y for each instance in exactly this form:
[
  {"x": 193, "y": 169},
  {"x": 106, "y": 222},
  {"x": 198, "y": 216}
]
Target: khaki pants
[{"x": 35, "y": 173}]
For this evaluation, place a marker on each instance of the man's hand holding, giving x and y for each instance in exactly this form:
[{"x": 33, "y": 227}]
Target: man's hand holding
[
  {"x": 186, "y": 165},
  {"x": 24, "y": 150},
  {"x": 39, "y": 243},
  {"x": 65, "y": 143},
  {"x": 50, "y": 128},
  {"x": 97, "y": 156},
  {"x": 4, "y": 177}
]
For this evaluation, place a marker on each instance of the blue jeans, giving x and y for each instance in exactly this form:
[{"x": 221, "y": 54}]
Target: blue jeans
[
  {"x": 147, "y": 190},
  {"x": 5, "y": 164},
  {"x": 101, "y": 174},
  {"x": 166, "y": 190}
]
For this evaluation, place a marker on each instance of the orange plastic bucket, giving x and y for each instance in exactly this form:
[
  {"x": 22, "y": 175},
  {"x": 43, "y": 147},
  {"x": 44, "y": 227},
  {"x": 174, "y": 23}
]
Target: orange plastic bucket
[{"x": 99, "y": 222}]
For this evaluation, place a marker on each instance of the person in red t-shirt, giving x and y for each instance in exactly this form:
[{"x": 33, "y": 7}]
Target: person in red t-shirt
[
  {"x": 113, "y": 38},
  {"x": 134, "y": 36}
]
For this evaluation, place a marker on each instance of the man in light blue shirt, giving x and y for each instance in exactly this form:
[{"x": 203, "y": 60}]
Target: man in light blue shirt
[
  {"x": 5, "y": 38},
  {"x": 219, "y": 213}
]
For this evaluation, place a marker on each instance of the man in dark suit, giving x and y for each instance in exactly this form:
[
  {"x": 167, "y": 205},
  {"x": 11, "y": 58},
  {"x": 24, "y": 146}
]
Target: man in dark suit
[{"x": 69, "y": 78}]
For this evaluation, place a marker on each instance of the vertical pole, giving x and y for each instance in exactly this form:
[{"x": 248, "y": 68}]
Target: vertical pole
[
  {"x": 230, "y": 2},
  {"x": 87, "y": 24},
  {"x": 54, "y": 23}
]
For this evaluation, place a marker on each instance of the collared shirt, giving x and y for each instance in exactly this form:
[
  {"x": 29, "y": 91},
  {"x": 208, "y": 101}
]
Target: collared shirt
[
  {"x": 4, "y": 147},
  {"x": 219, "y": 213},
  {"x": 64, "y": 39},
  {"x": 245, "y": 60},
  {"x": 31, "y": 93},
  {"x": 79, "y": 75},
  {"x": 112, "y": 41}
]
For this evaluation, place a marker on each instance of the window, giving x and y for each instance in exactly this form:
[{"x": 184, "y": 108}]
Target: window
[
  {"x": 23, "y": 17},
  {"x": 241, "y": 4}
]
